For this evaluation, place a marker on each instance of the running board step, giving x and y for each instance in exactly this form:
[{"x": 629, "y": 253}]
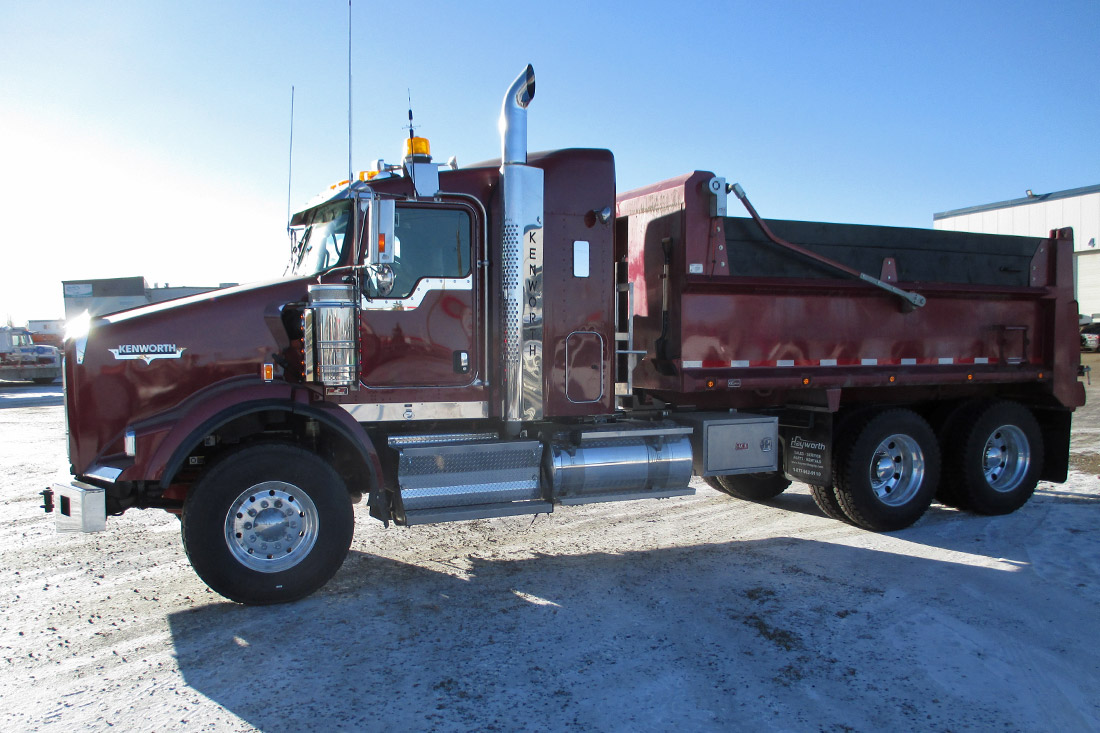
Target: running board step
[
  {"x": 452, "y": 476},
  {"x": 476, "y": 511},
  {"x": 626, "y": 496}
]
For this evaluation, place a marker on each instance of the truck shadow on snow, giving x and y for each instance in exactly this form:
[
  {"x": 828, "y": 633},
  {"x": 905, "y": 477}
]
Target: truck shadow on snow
[
  {"x": 700, "y": 636},
  {"x": 24, "y": 394}
]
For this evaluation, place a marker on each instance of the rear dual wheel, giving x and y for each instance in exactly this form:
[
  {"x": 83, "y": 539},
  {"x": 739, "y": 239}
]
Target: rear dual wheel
[
  {"x": 751, "y": 486},
  {"x": 993, "y": 453},
  {"x": 825, "y": 498},
  {"x": 885, "y": 475}
]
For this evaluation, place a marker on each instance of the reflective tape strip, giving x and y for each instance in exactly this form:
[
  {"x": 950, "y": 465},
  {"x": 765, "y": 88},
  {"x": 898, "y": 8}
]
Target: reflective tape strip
[{"x": 773, "y": 363}]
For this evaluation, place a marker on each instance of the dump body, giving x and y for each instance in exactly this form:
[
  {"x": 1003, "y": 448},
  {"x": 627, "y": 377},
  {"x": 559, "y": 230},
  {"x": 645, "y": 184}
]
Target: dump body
[{"x": 744, "y": 323}]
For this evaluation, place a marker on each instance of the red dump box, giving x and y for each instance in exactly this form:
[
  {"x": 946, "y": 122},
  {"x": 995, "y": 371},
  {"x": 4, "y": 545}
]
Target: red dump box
[{"x": 734, "y": 319}]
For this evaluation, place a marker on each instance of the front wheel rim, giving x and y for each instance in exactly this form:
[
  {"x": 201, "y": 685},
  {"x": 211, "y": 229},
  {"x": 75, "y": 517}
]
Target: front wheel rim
[
  {"x": 1006, "y": 458},
  {"x": 897, "y": 469},
  {"x": 271, "y": 526}
]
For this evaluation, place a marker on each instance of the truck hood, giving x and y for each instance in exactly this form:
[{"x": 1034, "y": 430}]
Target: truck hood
[
  {"x": 142, "y": 363},
  {"x": 231, "y": 293}
]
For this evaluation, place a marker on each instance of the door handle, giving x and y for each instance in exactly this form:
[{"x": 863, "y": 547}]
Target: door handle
[{"x": 461, "y": 360}]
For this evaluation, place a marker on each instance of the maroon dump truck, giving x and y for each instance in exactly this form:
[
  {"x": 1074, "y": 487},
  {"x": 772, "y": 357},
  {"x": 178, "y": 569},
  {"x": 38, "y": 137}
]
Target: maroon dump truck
[{"x": 505, "y": 338}]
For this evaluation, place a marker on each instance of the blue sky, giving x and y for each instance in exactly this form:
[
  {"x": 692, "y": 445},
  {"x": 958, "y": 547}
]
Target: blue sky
[{"x": 151, "y": 138}]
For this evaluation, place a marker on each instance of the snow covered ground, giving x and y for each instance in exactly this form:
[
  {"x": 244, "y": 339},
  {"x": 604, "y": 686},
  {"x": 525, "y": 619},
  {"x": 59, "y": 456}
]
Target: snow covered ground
[{"x": 698, "y": 613}]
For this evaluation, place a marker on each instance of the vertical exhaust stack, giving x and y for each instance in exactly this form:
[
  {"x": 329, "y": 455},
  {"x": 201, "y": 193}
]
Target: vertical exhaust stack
[
  {"x": 513, "y": 118},
  {"x": 521, "y": 260}
]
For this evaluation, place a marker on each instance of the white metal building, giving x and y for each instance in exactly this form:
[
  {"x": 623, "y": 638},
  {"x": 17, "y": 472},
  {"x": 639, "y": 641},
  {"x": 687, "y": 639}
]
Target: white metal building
[
  {"x": 1035, "y": 215},
  {"x": 100, "y": 297}
]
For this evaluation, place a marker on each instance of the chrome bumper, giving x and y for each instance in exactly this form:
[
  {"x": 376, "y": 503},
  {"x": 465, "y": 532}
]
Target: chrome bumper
[{"x": 80, "y": 507}]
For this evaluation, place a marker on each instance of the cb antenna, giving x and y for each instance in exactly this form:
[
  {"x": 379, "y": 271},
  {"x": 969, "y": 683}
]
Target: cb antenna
[
  {"x": 290, "y": 162},
  {"x": 349, "y": 95},
  {"x": 410, "y": 126}
]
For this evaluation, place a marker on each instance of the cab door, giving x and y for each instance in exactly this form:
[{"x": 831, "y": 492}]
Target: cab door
[{"x": 418, "y": 318}]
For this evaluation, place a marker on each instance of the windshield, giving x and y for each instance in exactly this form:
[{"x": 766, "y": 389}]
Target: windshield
[{"x": 322, "y": 241}]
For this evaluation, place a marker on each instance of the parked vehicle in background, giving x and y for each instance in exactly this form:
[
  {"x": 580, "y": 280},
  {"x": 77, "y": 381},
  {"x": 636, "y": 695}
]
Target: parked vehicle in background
[
  {"x": 22, "y": 360},
  {"x": 47, "y": 339},
  {"x": 1090, "y": 337},
  {"x": 514, "y": 336}
]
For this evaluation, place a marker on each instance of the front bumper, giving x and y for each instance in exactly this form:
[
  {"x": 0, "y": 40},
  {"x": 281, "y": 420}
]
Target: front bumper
[{"x": 79, "y": 507}]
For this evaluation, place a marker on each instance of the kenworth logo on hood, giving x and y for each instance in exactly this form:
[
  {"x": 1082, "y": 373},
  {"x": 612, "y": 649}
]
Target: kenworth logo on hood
[{"x": 147, "y": 352}]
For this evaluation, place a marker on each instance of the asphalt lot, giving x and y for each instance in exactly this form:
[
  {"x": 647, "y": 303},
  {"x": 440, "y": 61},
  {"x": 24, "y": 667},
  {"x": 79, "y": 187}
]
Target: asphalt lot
[{"x": 699, "y": 613}]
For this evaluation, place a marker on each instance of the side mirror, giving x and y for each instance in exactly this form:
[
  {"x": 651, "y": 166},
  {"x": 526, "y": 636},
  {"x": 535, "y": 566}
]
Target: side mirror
[{"x": 380, "y": 228}]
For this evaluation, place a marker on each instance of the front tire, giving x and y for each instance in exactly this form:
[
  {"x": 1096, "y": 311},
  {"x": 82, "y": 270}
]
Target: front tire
[
  {"x": 885, "y": 478},
  {"x": 268, "y": 523}
]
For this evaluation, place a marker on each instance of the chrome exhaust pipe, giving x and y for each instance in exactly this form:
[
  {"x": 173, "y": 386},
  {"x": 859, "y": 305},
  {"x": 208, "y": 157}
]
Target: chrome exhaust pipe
[
  {"x": 513, "y": 118},
  {"x": 521, "y": 261}
]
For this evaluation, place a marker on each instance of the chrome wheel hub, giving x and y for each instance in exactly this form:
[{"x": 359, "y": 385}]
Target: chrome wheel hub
[
  {"x": 897, "y": 470},
  {"x": 271, "y": 526},
  {"x": 1006, "y": 458}
]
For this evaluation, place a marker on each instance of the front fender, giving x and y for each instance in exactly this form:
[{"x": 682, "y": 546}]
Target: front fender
[{"x": 169, "y": 439}]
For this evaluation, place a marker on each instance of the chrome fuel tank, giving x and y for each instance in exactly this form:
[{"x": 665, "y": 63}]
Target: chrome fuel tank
[{"x": 600, "y": 463}]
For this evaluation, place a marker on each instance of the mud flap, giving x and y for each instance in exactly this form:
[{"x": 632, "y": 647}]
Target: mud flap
[{"x": 807, "y": 449}]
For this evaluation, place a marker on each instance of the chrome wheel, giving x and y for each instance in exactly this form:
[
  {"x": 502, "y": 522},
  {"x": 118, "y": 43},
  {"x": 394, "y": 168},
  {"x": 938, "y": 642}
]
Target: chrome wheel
[
  {"x": 271, "y": 526},
  {"x": 886, "y": 468},
  {"x": 897, "y": 469},
  {"x": 1006, "y": 458}
]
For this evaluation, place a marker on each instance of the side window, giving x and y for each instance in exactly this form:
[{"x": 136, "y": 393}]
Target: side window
[{"x": 430, "y": 243}]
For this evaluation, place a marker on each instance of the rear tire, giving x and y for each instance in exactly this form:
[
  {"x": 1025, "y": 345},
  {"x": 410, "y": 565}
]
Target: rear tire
[
  {"x": 952, "y": 432},
  {"x": 996, "y": 457},
  {"x": 885, "y": 477},
  {"x": 268, "y": 523},
  {"x": 752, "y": 486},
  {"x": 825, "y": 498}
]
